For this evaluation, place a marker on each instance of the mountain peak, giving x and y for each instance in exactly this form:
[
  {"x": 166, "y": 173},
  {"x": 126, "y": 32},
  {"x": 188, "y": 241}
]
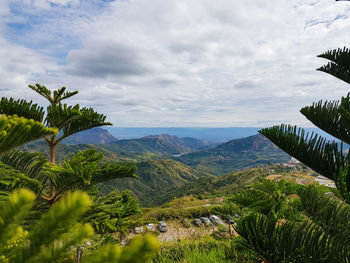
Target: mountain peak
[{"x": 92, "y": 136}]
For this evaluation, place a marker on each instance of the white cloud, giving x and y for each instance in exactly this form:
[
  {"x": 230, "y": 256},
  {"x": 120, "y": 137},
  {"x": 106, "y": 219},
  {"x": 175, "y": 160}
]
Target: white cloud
[{"x": 181, "y": 63}]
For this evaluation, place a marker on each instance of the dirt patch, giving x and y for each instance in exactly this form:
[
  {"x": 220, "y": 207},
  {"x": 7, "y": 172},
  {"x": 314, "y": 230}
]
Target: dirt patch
[{"x": 177, "y": 232}]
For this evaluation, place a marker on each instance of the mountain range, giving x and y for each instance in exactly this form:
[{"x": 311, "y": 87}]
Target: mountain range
[
  {"x": 162, "y": 144},
  {"x": 235, "y": 155},
  {"x": 168, "y": 165}
]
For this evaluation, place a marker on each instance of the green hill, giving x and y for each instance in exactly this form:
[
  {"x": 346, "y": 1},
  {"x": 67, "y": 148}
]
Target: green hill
[
  {"x": 64, "y": 150},
  {"x": 160, "y": 144},
  {"x": 228, "y": 183},
  {"x": 155, "y": 177},
  {"x": 235, "y": 155}
]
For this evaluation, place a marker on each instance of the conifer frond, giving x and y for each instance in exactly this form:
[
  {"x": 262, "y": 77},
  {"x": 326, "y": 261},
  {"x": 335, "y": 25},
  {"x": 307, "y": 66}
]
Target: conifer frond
[
  {"x": 339, "y": 66},
  {"x": 84, "y": 169},
  {"x": 57, "y": 233},
  {"x": 110, "y": 171},
  {"x": 56, "y": 251},
  {"x": 15, "y": 131},
  {"x": 11, "y": 179},
  {"x": 29, "y": 164},
  {"x": 21, "y": 108},
  {"x": 87, "y": 120},
  {"x": 331, "y": 214},
  {"x": 340, "y": 56},
  {"x": 140, "y": 250},
  {"x": 313, "y": 150},
  {"x": 109, "y": 213},
  {"x": 327, "y": 117},
  {"x": 12, "y": 213},
  {"x": 285, "y": 242},
  {"x": 60, "y": 114},
  {"x": 21, "y": 169},
  {"x": 61, "y": 218},
  {"x": 58, "y": 95}
]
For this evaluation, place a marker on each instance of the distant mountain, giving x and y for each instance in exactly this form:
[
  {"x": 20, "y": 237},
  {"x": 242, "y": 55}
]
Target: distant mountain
[
  {"x": 210, "y": 134},
  {"x": 155, "y": 177},
  {"x": 161, "y": 144},
  {"x": 235, "y": 155},
  {"x": 92, "y": 136},
  {"x": 213, "y": 134}
]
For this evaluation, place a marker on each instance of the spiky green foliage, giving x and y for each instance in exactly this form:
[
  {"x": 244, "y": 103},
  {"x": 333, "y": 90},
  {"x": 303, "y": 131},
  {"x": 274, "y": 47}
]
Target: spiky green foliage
[
  {"x": 140, "y": 250},
  {"x": 82, "y": 171},
  {"x": 270, "y": 198},
  {"x": 110, "y": 213},
  {"x": 28, "y": 163},
  {"x": 283, "y": 242},
  {"x": 11, "y": 179},
  {"x": 21, "y": 169},
  {"x": 87, "y": 120},
  {"x": 54, "y": 97},
  {"x": 333, "y": 117},
  {"x": 15, "y": 131},
  {"x": 313, "y": 150},
  {"x": 332, "y": 215},
  {"x": 330, "y": 116},
  {"x": 323, "y": 237},
  {"x": 67, "y": 119},
  {"x": 339, "y": 65},
  {"x": 58, "y": 232},
  {"x": 21, "y": 108}
]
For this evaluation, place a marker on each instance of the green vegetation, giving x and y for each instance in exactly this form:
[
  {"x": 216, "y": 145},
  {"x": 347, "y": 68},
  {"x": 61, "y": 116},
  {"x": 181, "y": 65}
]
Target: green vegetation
[
  {"x": 33, "y": 232},
  {"x": 203, "y": 250},
  {"x": 155, "y": 177},
  {"x": 58, "y": 230},
  {"x": 323, "y": 235},
  {"x": 161, "y": 144},
  {"x": 70, "y": 212},
  {"x": 67, "y": 119},
  {"x": 223, "y": 185},
  {"x": 326, "y": 158},
  {"x": 271, "y": 198}
]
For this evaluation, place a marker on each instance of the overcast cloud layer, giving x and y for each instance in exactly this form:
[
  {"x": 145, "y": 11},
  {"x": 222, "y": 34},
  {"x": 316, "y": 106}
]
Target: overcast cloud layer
[{"x": 176, "y": 63}]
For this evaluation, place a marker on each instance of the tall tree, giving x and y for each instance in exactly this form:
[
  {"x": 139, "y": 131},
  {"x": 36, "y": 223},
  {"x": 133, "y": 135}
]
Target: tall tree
[
  {"x": 324, "y": 236},
  {"x": 58, "y": 230},
  {"x": 324, "y": 157},
  {"x": 67, "y": 119}
]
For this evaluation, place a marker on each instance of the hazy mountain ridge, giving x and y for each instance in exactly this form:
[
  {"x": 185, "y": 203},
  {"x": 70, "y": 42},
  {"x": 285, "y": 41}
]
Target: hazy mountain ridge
[
  {"x": 162, "y": 144},
  {"x": 235, "y": 155},
  {"x": 200, "y": 133},
  {"x": 92, "y": 136},
  {"x": 160, "y": 177}
]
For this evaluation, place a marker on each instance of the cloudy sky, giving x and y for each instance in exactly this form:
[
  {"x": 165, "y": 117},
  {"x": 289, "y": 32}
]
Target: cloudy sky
[{"x": 166, "y": 63}]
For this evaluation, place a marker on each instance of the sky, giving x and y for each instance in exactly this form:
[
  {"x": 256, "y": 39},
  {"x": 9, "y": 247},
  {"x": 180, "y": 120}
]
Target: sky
[{"x": 183, "y": 63}]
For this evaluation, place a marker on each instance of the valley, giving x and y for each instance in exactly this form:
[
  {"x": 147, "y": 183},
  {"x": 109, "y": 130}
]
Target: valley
[{"x": 168, "y": 166}]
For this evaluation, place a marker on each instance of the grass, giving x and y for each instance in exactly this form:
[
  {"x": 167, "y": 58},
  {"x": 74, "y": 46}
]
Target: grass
[
  {"x": 206, "y": 250},
  {"x": 197, "y": 256}
]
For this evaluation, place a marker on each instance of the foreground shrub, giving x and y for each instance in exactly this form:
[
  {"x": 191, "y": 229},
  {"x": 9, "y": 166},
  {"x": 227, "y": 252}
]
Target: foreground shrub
[{"x": 58, "y": 233}]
